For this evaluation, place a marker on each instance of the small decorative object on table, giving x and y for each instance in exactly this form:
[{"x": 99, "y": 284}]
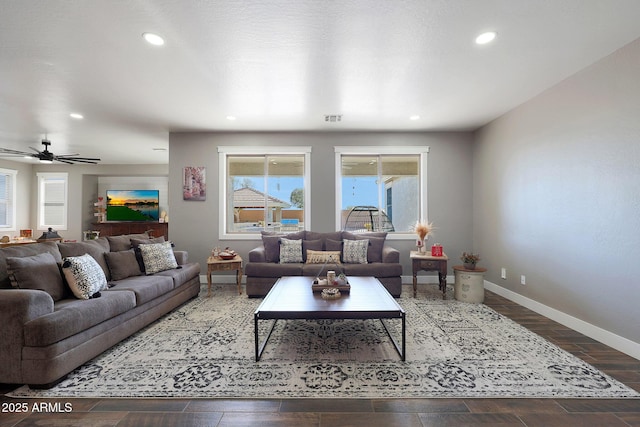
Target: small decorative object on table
[
  {"x": 436, "y": 250},
  {"x": 330, "y": 293},
  {"x": 227, "y": 254},
  {"x": 423, "y": 229},
  {"x": 469, "y": 259}
]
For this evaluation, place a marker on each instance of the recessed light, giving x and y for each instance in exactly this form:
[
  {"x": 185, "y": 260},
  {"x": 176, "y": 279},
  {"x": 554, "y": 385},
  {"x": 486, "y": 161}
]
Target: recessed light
[
  {"x": 77, "y": 116},
  {"x": 231, "y": 118},
  {"x": 414, "y": 117},
  {"x": 487, "y": 37},
  {"x": 153, "y": 39}
]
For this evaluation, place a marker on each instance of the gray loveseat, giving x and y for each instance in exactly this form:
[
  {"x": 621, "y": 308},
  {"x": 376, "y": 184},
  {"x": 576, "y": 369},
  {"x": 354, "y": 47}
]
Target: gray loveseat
[
  {"x": 266, "y": 263},
  {"x": 47, "y": 331}
]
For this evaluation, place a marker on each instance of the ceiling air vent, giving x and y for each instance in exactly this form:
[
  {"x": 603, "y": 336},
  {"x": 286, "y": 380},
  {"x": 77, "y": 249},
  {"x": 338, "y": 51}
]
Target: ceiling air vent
[{"x": 333, "y": 118}]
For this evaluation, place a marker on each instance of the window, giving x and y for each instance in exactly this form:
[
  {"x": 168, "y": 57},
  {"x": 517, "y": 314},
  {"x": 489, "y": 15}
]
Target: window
[
  {"x": 263, "y": 191},
  {"x": 52, "y": 201},
  {"x": 380, "y": 188},
  {"x": 8, "y": 199}
]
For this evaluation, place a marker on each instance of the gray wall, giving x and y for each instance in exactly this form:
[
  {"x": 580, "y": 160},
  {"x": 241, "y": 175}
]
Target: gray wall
[
  {"x": 557, "y": 195},
  {"x": 194, "y": 225}
]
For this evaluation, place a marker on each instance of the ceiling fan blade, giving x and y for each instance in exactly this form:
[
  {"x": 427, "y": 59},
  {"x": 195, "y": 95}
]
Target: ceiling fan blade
[
  {"x": 15, "y": 152},
  {"x": 78, "y": 159},
  {"x": 64, "y": 161}
]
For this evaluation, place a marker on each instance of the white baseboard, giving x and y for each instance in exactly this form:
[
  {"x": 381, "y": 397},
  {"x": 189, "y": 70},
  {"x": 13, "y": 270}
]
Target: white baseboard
[{"x": 612, "y": 340}]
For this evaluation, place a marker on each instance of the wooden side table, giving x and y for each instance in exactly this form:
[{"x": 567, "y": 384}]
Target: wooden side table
[
  {"x": 425, "y": 261},
  {"x": 469, "y": 284},
  {"x": 219, "y": 264}
]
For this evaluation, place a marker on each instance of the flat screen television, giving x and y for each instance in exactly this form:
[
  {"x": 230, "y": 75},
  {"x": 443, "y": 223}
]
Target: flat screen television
[{"x": 133, "y": 205}]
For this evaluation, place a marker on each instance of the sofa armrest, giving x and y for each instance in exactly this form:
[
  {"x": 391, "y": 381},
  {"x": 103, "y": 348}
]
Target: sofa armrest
[
  {"x": 17, "y": 307},
  {"x": 257, "y": 254},
  {"x": 390, "y": 255},
  {"x": 181, "y": 257}
]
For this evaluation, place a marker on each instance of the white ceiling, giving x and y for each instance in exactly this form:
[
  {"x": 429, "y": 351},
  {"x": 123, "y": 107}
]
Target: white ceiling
[{"x": 281, "y": 65}]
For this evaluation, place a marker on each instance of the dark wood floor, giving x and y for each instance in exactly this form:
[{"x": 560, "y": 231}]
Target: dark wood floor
[{"x": 369, "y": 412}]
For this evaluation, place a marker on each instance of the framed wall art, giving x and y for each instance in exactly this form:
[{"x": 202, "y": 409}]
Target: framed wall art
[{"x": 194, "y": 183}]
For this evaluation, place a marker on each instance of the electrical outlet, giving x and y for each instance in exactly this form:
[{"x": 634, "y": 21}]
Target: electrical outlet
[
  {"x": 523, "y": 280},
  {"x": 503, "y": 273}
]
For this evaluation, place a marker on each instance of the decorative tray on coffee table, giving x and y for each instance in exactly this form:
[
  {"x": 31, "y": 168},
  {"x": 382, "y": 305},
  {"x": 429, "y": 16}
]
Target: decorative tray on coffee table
[{"x": 320, "y": 284}]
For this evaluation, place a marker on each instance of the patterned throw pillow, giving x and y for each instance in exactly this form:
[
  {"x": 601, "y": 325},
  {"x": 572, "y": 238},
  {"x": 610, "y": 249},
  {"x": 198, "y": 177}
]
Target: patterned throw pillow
[
  {"x": 320, "y": 257},
  {"x": 84, "y": 275},
  {"x": 355, "y": 251},
  {"x": 290, "y": 251},
  {"x": 157, "y": 257}
]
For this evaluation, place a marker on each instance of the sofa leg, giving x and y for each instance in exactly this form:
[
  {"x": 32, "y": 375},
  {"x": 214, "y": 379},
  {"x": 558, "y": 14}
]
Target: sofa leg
[{"x": 48, "y": 385}]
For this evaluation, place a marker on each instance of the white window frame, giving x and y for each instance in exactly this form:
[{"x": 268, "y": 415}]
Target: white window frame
[
  {"x": 225, "y": 151},
  {"x": 10, "y": 201},
  {"x": 45, "y": 178},
  {"x": 375, "y": 151}
]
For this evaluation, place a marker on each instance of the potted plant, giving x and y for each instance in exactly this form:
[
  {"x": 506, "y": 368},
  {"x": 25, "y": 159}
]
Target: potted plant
[{"x": 469, "y": 259}]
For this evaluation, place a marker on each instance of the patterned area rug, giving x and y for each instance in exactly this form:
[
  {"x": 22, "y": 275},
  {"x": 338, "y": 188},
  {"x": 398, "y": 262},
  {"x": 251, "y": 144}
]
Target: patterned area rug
[{"x": 206, "y": 349}]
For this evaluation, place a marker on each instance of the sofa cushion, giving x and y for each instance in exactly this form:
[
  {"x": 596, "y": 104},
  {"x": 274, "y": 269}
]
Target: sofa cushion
[
  {"x": 122, "y": 264},
  {"x": 135, "y": 242},
  {"x": 355, "y": 251},
  {"x": 182, "y": 274},
  {"x": 157, "y": 257},
  {"x": 72, "y": 316},
  {"x": 271, "y": 245},
  {"x": 96, "y": 248},
  {"x": 146, "y": 288},
  {"x": 314, "y": 235},
  {"x": 39, "y": 272},
  {"x": 333, "y": 245},
  {"x": 270, "y": 269},
  {"x": 320, "y": 257},
  {"x": 84, "y": 276},
  {"x": 22, "y": 251},
  {"x": 290, "y": 251},
  {"x": 376, "y": 269},
  {"x": 313, "y": 245},
  {"x": 123, "y": 243}
]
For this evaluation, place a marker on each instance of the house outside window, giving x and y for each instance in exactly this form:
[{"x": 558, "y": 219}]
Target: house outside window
[
  {"x": 8, "y": 199},
  {"x": 263, "y": 191},
  {"x": 380, "y": 188},
  {"x": 52, "y": 200}
]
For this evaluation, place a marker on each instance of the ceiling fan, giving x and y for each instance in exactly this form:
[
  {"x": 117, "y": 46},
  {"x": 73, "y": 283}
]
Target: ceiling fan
[{"x": 46, "y": 156}]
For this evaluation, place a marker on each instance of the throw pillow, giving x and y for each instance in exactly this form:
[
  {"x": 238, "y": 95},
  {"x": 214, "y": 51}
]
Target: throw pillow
[
  {"x": 333, "y": 245},
  {"x": 320, "y": 257},
  {"x": 39, "y": 272},
  {"x": 123, "y": 243},
  {"x": 135, "y": 242},
  {"x": 271, "y": 245},
  {"x": 355, "y": 251},
  {"x": 314, "y": 245},
  {"x": 157, "y": 257},
  {"x": 84, "y": 276},
  {"x": 376, "y": 243},
  {"x": 290, "y": 251},
  {"x": 122, "y": 264},
  {"x": 96, "y": 248}
]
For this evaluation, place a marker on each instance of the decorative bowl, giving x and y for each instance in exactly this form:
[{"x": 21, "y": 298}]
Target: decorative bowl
[{"x": 227, "y": 255}]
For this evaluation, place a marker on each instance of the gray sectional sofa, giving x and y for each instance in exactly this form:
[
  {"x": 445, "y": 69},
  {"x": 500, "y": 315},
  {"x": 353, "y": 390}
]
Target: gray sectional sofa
[
  {"x": 266, "y": 263},
  {"x": 47, "y": 331}
]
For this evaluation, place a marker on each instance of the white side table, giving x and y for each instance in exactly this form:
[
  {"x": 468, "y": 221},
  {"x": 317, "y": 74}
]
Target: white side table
[{"x": 469, "y": 285}]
